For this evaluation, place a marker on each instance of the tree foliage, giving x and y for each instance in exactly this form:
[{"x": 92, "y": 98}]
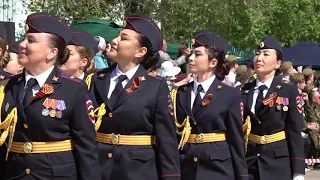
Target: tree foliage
[{"x": 242, "y": 22}]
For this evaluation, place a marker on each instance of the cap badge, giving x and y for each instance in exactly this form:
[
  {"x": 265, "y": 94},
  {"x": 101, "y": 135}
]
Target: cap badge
[{"x": 261, "y": 44}]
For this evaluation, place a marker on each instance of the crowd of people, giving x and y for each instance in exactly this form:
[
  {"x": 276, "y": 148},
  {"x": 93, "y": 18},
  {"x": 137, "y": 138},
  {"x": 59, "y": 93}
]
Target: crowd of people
[{"x": 78, "y": 107}]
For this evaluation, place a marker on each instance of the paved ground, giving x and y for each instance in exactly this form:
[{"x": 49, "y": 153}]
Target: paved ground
[{"x": 313, "y": 175}]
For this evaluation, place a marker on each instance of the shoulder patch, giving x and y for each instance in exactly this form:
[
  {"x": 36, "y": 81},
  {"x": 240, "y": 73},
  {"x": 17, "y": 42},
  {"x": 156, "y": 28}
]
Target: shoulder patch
[{"x": 68, "y": 77}]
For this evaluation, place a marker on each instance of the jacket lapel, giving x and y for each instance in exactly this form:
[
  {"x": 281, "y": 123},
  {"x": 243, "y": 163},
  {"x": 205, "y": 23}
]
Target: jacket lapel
[
  {"x": 102, "y": 84},
  {"x": 250, "y": 95},
  {"x": 214, "y": 89},
  {"x": 185, "y": 99},
  {"x": 124, "y": 95},
  {"x": 53, "y": 79},
  {"x": 17, "y": 92},
  {"x": 273, "y": 88}
]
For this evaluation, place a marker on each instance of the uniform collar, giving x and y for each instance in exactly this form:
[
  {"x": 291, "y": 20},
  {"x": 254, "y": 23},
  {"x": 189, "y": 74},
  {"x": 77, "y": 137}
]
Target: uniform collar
[
  {"x": 205, "y": 84},
  {"x": 41, "y": 78},
  {"x": 267, "y": 83},
  {"x": 116, "y": 72},
  {"x": 81, "y": 76}
]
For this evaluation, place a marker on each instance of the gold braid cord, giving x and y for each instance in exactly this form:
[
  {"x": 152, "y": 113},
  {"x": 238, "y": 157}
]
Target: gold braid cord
[
  {"x": 246, "y": 127},
  {"x": 99, "y": 113},
  {"x": 186, "y": 131},
  {"x": 8, "y": 126},
  {"x": 88, "y": 80}
]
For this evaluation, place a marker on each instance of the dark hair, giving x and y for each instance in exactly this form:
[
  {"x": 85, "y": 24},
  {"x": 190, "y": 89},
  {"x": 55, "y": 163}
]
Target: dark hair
[
  {"x": 230, "y": 65},
  {"x": 63, "y": 52},
  {"x": 218, "y": 54},
  {"x": 279, "y": 57},
  {"x": 150, "y": 59},
  {"x": 3, "y": 46}
]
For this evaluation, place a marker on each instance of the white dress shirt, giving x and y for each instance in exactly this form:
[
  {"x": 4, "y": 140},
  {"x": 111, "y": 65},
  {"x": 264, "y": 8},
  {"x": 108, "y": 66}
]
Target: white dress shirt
[
  {"x": 256, "y": 91},
  {"x": 205, "y": 85},
  {"x": 231, "y": 77},
  {"x": 114, "y": 78},
  {"x": 41, "y": 79},
  {"x": 81, "y": 76}
]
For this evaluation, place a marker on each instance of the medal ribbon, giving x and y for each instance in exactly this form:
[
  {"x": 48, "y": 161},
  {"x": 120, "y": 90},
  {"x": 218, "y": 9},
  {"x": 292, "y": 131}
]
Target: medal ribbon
[
  {"x": 61, "y": 105},
  {"x": 270, "y": 100},
  {"x": 46, "y": 103},
  {"x": 279, "y": 100},
  {"x": 53, "y": 104},
  {"x": 45, "y": 90},
  {"x": 286, "y": 101}
]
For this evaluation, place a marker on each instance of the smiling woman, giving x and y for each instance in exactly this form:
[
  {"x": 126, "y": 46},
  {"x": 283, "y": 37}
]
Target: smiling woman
[{"x": 52, "y": 134}]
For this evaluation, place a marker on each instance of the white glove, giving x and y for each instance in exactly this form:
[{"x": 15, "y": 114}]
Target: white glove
[{"x": 298, "y": 177}]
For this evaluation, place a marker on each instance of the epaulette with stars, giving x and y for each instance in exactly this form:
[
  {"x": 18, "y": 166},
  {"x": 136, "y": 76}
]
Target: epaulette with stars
[{"x": 68, "y": 77}]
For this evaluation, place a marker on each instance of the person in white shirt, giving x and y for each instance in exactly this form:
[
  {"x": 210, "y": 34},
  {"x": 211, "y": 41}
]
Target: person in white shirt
[
  {"x": 275, "y": 149},
  {"x": 232, "y": 65},
  {"x": 82, "y": 49}
]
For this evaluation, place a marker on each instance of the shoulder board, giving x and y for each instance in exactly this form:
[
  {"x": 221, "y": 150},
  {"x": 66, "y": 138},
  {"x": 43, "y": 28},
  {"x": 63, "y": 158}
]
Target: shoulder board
[
  {"x": 14, "y": 76},
  {"x": 155, "y": 76},
  {"x": 227, "y": 83},
  {"x": 67, "y": 76},
  {"x": 284, "y": 81}
]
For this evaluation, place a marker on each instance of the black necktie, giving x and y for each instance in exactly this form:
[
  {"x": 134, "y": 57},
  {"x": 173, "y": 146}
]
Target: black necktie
[
  {"x": 197, "y": 100},
  {"x": 116, "y": 92},
  {"x": 260, "y": 98},
  {"x": 27, "y": 97}
]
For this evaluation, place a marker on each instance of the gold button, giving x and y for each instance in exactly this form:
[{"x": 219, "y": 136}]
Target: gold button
[
  {"x": 258, "y": 154},
  {"x": 195, "y": 159},
  {"x": 109, "y": 155},
  {"x": 25, "y": 126},
  {"x": 195, "y": 123},
  {"x": 28, "y": 171},
  {"x": 110, "y": 115}
]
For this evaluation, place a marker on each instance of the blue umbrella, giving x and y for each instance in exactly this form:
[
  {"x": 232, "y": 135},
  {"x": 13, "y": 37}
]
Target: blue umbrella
[{"x": 303, "y": 54}]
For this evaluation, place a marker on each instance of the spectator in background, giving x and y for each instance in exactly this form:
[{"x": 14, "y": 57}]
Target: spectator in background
[
  {"x": 232, "y": 66},
  {"x": 9, "y": 61},
  {"x": 298, "y": 79},
  {"x": 99, "y": 59},
  {"x": 287, "y": 70},
  {"x": 243, "y": 75},
  {"x": 312, "y": 115},
  {"x": 308, "y": 75},
  {"x": 181, "y": 49},
  {"x": 164, "y": 56}
]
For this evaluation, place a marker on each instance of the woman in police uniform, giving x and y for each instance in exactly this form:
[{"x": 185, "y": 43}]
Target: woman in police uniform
[
  {"x": 211, "y": 112},
  {"x": 82, "y": 49},
  {"x": 136, "y": 136},
  {"x": 275, "y": 148},
  {"x": 51, "y": 134}
]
